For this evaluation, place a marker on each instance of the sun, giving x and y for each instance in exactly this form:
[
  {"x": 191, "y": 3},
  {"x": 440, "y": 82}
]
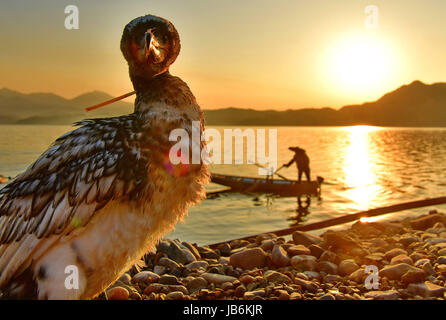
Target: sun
[{"x": 361, "y": 64}]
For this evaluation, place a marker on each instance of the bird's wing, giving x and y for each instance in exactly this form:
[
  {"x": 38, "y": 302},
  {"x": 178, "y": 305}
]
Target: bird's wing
[{"x": 83, "y": 170}]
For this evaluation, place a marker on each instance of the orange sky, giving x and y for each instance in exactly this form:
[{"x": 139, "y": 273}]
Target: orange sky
[{"x": 252, "y": 53}]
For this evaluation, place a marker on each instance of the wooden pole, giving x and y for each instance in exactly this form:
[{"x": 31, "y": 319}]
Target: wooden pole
[
  {"x": 349, "y": 218},
  {"x": 96, "y": 106}
]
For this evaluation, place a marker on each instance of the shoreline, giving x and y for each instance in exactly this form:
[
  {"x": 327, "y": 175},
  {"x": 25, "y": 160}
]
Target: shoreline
[{"x": 404, "y": 259}]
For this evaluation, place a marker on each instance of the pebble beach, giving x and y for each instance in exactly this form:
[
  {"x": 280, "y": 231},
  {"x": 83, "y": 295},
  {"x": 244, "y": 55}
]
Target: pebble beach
[{"x": 408, "y": 258}]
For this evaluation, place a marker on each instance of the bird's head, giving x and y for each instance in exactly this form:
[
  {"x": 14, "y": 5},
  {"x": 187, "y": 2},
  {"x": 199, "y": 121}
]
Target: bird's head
[{"x": 150, "y": 44}]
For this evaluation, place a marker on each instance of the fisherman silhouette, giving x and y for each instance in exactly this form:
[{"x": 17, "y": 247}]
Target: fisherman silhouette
[{"x": 302, "y": 162}]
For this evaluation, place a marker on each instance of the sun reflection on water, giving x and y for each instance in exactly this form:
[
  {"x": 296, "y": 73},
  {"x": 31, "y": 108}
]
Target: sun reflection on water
[{"x": 360, "y": 176}]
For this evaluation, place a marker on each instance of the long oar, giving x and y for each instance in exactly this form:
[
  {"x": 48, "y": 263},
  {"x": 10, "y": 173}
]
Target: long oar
[
  {"x": 99, "y": 105},
  {"x": 279, "y": 175},
  {"x": 349, "y": 218}
]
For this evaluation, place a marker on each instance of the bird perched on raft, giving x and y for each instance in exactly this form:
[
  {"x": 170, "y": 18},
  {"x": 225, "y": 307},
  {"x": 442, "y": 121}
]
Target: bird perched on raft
[{"x": 103, "y": 194}]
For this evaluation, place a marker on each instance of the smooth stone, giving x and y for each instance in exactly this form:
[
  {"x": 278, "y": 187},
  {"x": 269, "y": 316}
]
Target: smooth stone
[
  {"x": 217, "y": 278},
  {"x": 383, "y": 295},
  {"x": 197, "y": 284},
  {"x": 441, "y": 260},
  {"x": 146, "y": 277},
  {"x": 125, "y": 278},
  {"x": 442, "y": 252},
  {"x": 327, "y": 267},
  {"x": 267, "y": 245},
  {"x": 328, "y": 256},
  {"x": 168, "y": 279},
  {"x": 173, "y": 287},
  {"x": 389, "y": 255},
  {"x": 117, "y": 293},
  {"x": 347, "y": 267},
  {"x": 307, "y": 285},
  {"x": 159, "y": 270},
  {"x": 311, "y": 274},
  {"x": 179, "y": 254},
  {"x": 305, "y": 239},
  {"x": 415, "y": 256},
  {"x": 280, "y": 257},
  {"x": 175, "y": 295},
  {"x": 253, "y": 294},
  {"x": 413, "y": 276},
  {"x": 316, "y": 250},
  {"x": 407, "y": 240},
  {"x": 339, "y": 240},
  {"x": 223, "y": 260},
  {"x": 327, "y": 297},
  {"x": 426, "y": 289},
  {"x": 427, "y": 221},
  {"x": 248, "y": 259},
  {"x": 358, "y": 276},
  {"x": 192, "y": 249},
  {"x": 197, "y": 265},
  {"x": 304, "y": 262},
  {"x": 276, "y": 277},
  {"x": 240, "y": 291},
  {"x": 246, "y": 279},
  {"x": 401, "y": 258},
  {"x": 394, "y": 272},
  {"x": 169, "y": 263},
  {"x": 298, "y": 250},
  {"x": 332, "y": 278}
]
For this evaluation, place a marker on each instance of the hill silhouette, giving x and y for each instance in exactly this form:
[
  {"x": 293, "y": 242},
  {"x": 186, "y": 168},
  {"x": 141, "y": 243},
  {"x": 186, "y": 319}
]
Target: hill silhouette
[{"x": 413, "y": 105}]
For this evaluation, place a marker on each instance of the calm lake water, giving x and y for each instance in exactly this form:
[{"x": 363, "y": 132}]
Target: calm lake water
[{"x": 364, "y": 167}]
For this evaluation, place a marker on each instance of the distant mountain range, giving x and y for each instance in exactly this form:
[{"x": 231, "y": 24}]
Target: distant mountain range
[{"x": 416, "y": 104}]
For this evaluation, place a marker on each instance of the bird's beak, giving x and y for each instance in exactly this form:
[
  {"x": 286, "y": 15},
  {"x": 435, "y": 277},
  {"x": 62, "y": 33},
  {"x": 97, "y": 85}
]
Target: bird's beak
[{"x": 152, "y": 49}]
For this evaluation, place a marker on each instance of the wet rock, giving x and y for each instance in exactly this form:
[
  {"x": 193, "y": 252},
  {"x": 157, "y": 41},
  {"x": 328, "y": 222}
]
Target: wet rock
[
  {"x": 426, "y": 222},
  {"x": 225, "y": 249},
  {"x": 304, "y": 262},
  {"x": 168, "y": 279},
  {"x": 401, "y": 258},
  {"x": 365, "y": 229},
  {"x": 305, "y": 239},
  {"x": 441, "y": 260},
  {"x": 394, "y": 272},
  {"x": 413, "y": 276},
  {"x": 415, "y": 256},
  {"x": 217, "y": 278},
  {"x": 327, "y": 267},
  {"x": 145, "y": 277},
  {"x": 295, "y": 296},
  {"x": 347, "y": 267},
  {"x": 394, "y": 252},
  {"x": 117, "y": 293},
  {"x": 383, "y": 295},
  {"x": 298, "y": 250},
  {"x": 280, "y": 257},
  {"x": 327, "y": 297},
  {"x": 175, "y": 295},
  {"x": 426, "y": 289},
  {"x": 248, "y": 259},
  {"x": 283, "y": 295},
  {"x": 179, "y": 254},
  {"x": 276, "y": 277}
]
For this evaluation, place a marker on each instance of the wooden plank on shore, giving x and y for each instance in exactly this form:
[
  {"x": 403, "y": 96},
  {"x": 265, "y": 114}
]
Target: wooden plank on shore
[{"x": 349, "y": 218}]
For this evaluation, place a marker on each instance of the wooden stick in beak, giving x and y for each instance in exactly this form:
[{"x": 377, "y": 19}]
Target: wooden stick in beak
[{"x": 97, "y": 106}]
